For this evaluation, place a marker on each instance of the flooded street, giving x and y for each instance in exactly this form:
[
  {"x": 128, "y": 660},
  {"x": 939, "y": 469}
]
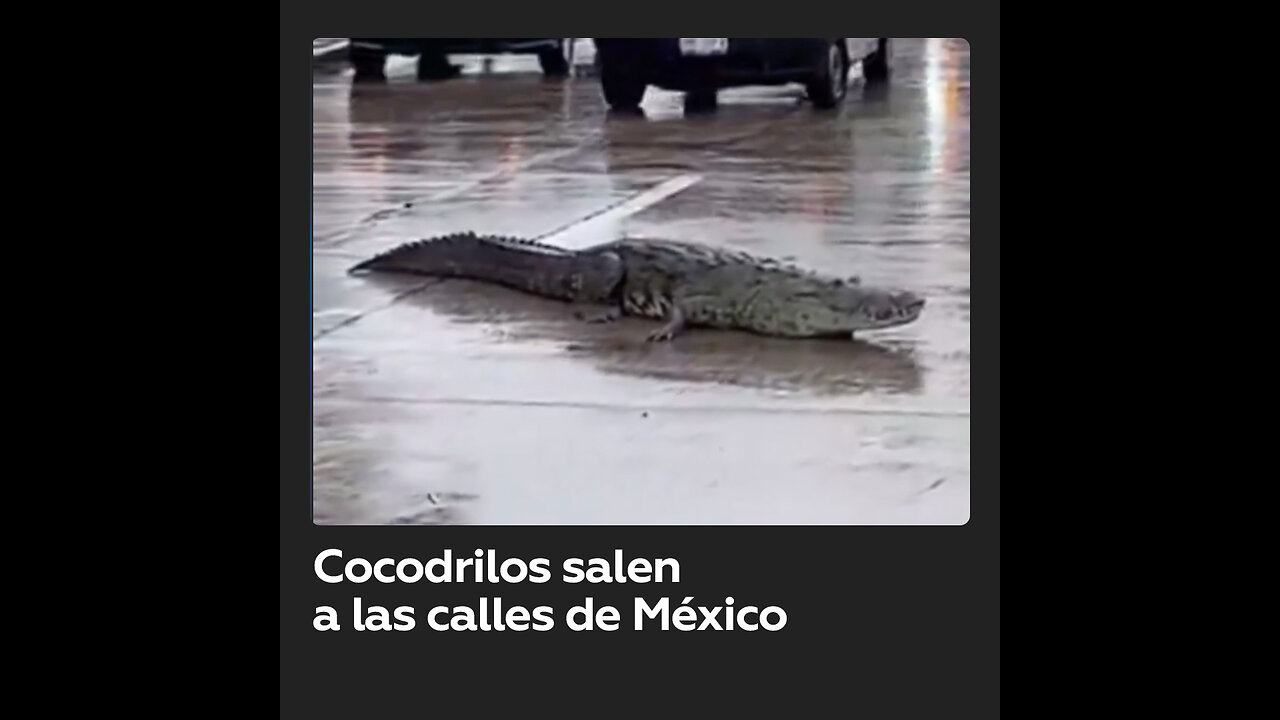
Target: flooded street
[{"x": 461, "y": 403}]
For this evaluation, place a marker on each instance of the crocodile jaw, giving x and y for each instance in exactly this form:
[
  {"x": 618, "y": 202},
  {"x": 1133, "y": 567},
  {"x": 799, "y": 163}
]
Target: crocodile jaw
[{"x": 910, "y": 310}]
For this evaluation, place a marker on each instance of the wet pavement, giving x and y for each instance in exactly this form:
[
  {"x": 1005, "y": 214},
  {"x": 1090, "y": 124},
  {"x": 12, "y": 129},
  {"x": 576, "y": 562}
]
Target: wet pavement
[{"x": 456, "y": 402}]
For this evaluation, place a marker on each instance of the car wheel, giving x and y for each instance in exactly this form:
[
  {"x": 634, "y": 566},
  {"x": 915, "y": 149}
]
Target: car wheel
[
  {"x": 623, "y": 90},
  {"x": 830, "y": 83},
  {"x": 369, "y": 63},
  {"x": 434, "y": 65},
  {"x": 555, "y": 62},
  {"x": 875, "y": 68},
  {"x": 700, "y": 101}
]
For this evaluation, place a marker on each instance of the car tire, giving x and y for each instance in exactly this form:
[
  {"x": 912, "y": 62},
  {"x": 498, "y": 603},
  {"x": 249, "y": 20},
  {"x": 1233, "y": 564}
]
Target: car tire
[
  {"x": 554, "y": 62},
  {"x": 875, "y": 67},
  {"x": 434, "y": 65},
  {"x": 369, "y": 64},
  {"x": 623, "y": 90},
  {"x": 701, "y": 100},
  {"x": 830, "y": 84}
]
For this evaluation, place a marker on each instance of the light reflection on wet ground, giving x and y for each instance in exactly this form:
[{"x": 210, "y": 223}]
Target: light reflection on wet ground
[{"x": 461, "y": 403}]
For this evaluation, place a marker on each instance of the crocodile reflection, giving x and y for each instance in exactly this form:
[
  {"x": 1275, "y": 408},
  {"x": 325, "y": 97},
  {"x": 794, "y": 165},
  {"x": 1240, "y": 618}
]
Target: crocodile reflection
[{"x": 822, "y": 367}]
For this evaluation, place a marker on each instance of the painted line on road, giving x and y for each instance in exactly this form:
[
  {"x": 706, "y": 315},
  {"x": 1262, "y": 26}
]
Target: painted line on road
[
  {"x": 361, "y": 314},
  {"x": 942, "y": 414},
  {"x": 592, "y": 229},
  {"x": 342, "y": 235},
  {"x": 577, "y": 234}
]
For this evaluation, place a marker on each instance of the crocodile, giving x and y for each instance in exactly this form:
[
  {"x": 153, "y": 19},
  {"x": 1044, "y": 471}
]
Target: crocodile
[{"x": 682, "y": 284}]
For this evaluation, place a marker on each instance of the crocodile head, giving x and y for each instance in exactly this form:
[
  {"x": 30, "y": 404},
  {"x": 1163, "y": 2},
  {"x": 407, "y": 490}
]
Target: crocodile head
[{"x": 840, "y": 309}]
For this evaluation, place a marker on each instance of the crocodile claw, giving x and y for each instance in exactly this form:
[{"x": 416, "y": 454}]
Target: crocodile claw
[{"x": 672, "y": 328}]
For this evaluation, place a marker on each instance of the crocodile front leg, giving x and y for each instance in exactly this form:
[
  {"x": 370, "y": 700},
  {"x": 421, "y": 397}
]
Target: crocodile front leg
[{"x": 675, "y": 325}]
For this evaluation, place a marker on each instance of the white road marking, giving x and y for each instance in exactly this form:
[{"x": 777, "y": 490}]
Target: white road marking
[
  {"x": 942, "y": 413},
  {"x": 602, "y": 226}
]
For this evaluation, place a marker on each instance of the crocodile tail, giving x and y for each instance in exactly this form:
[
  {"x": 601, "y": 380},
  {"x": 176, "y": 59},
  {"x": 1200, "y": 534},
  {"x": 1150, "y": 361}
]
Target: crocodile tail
[{"x": 514, "y": 262}]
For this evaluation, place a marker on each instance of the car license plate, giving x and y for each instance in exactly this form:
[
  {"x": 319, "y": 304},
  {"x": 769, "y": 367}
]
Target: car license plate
[{"x": 704, "y": 46}]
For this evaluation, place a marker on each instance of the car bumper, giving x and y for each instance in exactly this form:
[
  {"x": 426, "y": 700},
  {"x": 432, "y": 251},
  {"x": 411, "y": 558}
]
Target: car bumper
[{"x": 747, "y": 60}]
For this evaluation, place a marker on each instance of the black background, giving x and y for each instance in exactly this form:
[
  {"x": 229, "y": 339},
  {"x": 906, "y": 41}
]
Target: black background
[{"x": 882, "y": 621}]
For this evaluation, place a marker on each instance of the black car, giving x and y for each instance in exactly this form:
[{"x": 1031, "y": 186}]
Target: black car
[
  {"x": 700, "y": 67},
  {"x": 369, "y": 55}
]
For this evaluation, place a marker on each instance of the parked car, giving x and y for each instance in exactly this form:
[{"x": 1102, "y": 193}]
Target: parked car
[
  {"x": 369, "y": 55},
  {"x": 700, "y": 67}
]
